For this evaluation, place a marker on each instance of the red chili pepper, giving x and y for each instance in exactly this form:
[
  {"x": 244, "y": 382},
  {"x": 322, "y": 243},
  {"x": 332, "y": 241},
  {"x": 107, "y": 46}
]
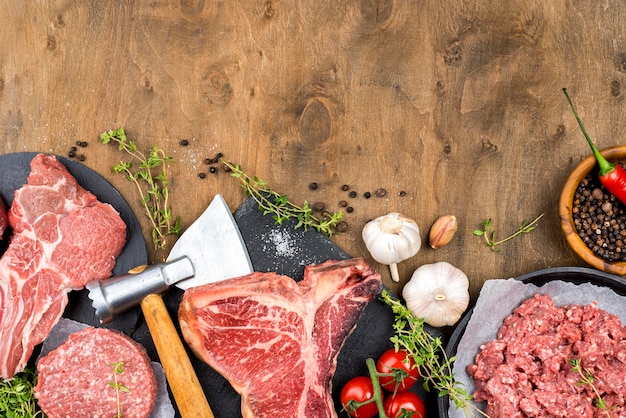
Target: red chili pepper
[{"x": 612, "y": 175}]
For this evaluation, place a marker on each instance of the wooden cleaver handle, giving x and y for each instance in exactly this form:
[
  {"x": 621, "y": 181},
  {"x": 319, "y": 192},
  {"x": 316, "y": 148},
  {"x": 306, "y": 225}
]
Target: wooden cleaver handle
[{"x": 180, "y": 374}]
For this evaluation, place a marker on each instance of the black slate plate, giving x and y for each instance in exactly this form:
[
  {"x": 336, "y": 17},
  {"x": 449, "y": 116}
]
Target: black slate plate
[
  {"x": 15, "y": 169},
  {"x": 286, "y": 250},
  {"x": 576, "y": 275}
]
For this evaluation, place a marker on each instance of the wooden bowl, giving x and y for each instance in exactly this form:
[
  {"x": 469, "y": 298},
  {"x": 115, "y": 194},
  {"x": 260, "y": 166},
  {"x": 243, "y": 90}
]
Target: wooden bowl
[{"x": 614, "y": 154}]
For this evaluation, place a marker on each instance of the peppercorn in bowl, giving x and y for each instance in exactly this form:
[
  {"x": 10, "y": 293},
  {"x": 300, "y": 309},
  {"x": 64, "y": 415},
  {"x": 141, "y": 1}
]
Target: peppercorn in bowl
[{"x": 592, "y": 219}]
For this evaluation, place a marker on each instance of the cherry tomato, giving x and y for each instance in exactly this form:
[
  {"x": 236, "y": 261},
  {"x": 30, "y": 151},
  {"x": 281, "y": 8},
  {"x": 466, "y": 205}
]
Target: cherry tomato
[
  {"x": 359, "y": 389},
  {"x": 403, "y": 405},
  {"x": 400, "y": 370}
]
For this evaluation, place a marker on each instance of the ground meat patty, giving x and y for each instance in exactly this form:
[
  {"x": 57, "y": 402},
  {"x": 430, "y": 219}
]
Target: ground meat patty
[
  {"x": 527, "y": 370},
  {"x": 77, "y": 378}
]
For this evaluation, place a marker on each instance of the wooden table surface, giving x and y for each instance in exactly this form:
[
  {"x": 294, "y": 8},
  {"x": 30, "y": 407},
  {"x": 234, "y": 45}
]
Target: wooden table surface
[{"x": 458, "y": 104}]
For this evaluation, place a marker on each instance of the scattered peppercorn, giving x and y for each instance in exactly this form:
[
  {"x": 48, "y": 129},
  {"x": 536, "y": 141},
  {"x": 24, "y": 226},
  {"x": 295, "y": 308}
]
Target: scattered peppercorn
[
  {"x": 184, "y": 142},
  {"x": 349, "y": 209},
  {"x": 208, "y": 161},
  {"x": 367, "y": 195},
  {"x": 201, "y": 175},
  {"x": 345, "y": 187},
  {"x": 319, "y": 206},
  {"x": 213, "y": 170},
  {"x": 313, "y": 186},
  {"x": 600, "y": 220},
  {"x": 81, "y": 157},
  {"x": 343, "y": 203},
  {"x": 227, "y": 168},
  {"x": 352, "y": 194},
  {"x": 342, "y": 226},
  {"x": 71, "y": 154},
  {"x": 381, "y": 192},
  {"x": 218, "y": 156},
  {"x": 402, "y": 193}
]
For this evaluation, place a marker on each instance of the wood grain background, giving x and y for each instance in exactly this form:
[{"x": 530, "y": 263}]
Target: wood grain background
[{"x": 457, "y": 103}]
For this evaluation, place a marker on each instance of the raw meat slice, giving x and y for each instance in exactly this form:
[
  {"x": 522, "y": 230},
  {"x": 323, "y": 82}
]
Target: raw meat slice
[
  {"x": 275, "y": 340},
  {"x": 62, "y": 238},
  {"x": 4, "y": 217},
  {"x": 78, "y": 378}
]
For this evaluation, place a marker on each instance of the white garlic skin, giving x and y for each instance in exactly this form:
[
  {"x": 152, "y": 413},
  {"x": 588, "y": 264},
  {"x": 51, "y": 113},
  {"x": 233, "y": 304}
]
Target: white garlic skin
[
  {"x": 392, "y": 238},
  {"x": 437, "y": 292}
]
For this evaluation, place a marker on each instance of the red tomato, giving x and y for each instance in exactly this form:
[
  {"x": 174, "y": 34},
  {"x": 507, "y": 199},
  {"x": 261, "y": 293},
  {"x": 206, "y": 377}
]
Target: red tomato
[
  {"x": 359, "y": 389},
  {"x": 403, "y": 405},
  {"x": 399, "y": 368}
]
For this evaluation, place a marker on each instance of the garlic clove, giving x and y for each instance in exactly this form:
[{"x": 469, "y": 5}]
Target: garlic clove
[{"x": 442, "y": 231}]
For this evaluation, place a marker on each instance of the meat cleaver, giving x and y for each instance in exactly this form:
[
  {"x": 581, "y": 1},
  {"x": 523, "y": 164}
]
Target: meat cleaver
[{"x": 210, "y": 250}]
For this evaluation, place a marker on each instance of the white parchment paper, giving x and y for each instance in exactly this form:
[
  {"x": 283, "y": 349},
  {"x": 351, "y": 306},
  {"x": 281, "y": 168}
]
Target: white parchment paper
[
  {"x": 162, "y": 406},
  {"x": 497, "y": 300}
]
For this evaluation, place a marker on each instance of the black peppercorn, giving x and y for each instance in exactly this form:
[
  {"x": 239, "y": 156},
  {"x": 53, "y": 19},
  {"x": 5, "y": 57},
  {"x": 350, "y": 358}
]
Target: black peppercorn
[
  {"x": 349, "y": 209},
  {"x": 201, "y": 175},
  {"x": 345, "y": 187},
  {"x": 402, "y": 193},
  {"x": 381, "y": 192},
  {"x": 599, "y": 219},
  {"x": 352, "y": 194},
  {"x": 367, "y": 195},
  {"x": 313, "y": 186},
  {"x": 342, "y": 226},
  {"x": 319, "y": 206},
  {"x": 343, "y": 203},
  {"x": 184, "y": 142}
]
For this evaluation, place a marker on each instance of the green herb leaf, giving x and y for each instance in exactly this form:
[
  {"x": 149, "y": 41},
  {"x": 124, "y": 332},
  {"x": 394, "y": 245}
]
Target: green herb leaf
[
  {"x": 279, "y": 206},
  {"x": 150, "y": 179},
  {"x": 490, "y": 236},
  {"x": 17, "y": 396}
]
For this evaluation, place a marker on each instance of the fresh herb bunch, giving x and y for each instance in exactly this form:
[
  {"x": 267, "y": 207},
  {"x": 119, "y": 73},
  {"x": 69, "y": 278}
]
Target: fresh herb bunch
[
  {"x": 17, "y": 396},
  {"x": 490, "y": 238},
  {"x": 586, "y": 378},
  {"x": 271, "y": 202},
  {"x": 151, "y": 180},
  {"x": 429, "y": 354},
  {"x": 118, "y": 369}
]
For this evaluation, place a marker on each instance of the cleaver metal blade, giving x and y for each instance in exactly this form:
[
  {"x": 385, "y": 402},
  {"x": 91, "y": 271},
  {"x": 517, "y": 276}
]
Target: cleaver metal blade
[
  {"x": 211, "y": 249},
  {"x": 214, "y": 246}
]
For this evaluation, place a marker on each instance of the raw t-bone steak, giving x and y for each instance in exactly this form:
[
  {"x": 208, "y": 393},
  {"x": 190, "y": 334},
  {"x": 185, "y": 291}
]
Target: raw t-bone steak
[
  {"x": 275, "y": 340},
  {"x": 62, "y": 238}
]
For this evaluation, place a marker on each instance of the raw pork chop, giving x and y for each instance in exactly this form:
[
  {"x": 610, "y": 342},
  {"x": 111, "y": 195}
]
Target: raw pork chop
[
  {"x": 275, "y": 340},
  {"x": 62, "y": 238}
]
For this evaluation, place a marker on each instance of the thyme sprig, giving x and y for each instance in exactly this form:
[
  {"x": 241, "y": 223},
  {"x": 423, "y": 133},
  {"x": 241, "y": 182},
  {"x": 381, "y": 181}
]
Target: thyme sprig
[
  {"x": 118, "y": 369},
  {"x": 429, "y": 354},
  {"x": 17, "y": 396},
  {"x": 586, "y": 378},
  {"x": 281, "y": 208},
  {"x": 151, "y": 181},
  {"x": 490, "y": 238}
]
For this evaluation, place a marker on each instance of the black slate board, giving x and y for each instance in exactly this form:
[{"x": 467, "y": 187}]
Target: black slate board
[
  {"x": 286, "y": 250},
  {"x": 15, "y": 169}
]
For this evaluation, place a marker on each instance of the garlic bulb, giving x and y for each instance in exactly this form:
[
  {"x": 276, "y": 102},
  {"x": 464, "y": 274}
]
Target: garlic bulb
[
  {"x": 437, "y": 292},
  {"x": 392, "y": 238}
]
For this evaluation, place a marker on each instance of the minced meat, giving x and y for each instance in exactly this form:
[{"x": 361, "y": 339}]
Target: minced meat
[{"x": 527, "y": 372}]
